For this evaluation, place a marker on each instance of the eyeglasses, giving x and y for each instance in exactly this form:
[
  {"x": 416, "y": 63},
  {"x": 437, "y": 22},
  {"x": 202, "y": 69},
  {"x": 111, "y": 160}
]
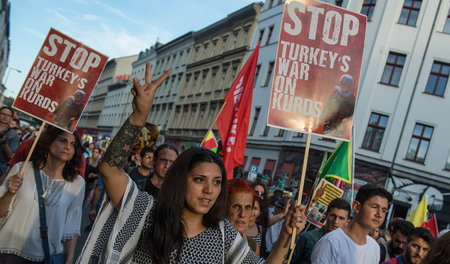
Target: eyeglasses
[{"x": 259, "y": 193}]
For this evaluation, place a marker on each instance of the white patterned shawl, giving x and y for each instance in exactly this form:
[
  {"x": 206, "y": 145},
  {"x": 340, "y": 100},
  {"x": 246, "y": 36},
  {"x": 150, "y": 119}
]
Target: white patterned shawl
[
  {"x": 115, "y": 235},
  {"x": 113, "y": 239}
]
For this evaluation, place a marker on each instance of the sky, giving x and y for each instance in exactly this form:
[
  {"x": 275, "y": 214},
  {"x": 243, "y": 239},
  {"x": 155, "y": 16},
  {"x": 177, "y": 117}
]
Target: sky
[{"x": 115, "y": 28}]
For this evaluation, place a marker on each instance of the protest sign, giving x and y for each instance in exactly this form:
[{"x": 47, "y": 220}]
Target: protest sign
[
  {"x": 317, "y": 69},
  {"x": 60, "y": 81},
  {"x": 323, "y": 195}
]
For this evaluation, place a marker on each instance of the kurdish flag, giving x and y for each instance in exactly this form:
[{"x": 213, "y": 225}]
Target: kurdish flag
[
  {"x": 210, "y": 142},
  {"x": 339, "y": 164}
]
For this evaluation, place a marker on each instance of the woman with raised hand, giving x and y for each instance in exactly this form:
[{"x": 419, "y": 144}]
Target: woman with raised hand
[
  {"x": 186, "y": 224},
  {"x": 55, "y": 160}
]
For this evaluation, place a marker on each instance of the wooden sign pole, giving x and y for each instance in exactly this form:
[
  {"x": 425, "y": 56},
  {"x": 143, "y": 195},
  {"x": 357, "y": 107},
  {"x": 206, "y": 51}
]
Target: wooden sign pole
[
  {"x": 32, "y": 148},
  {"x": 300, "y": 192}
]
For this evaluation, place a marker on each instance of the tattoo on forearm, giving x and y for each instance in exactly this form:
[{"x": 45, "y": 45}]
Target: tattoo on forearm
[{"x": 120, "y": 147}]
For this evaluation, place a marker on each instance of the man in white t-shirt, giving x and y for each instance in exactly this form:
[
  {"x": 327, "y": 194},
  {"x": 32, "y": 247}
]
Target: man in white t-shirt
[{"x": 352, "y": 243}]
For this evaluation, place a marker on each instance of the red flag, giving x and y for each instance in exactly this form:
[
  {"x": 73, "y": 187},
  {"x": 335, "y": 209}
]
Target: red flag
[
  {"x": 232, "y": 122},
  {"x": 432, "y": 225}
]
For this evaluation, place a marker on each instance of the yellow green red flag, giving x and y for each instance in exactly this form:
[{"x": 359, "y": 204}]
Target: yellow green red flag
[{"x": 210, "y": 142}]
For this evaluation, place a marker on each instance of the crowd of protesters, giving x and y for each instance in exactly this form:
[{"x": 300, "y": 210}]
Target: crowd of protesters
[{"x": 161, "y": 206}]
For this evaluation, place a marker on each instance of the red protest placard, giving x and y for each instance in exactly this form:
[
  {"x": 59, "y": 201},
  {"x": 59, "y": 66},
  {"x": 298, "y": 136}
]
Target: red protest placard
[
  {"x": 317, "y": 70},
  {"x": 60, "y": 81}
]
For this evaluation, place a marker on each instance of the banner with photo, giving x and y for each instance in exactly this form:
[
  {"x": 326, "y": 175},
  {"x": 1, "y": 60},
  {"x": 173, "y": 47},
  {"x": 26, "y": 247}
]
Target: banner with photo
[
  {"x": 323, "y": 195},
  {"x": 318, "y": 63},
  {"x": 60, "y": 81}
]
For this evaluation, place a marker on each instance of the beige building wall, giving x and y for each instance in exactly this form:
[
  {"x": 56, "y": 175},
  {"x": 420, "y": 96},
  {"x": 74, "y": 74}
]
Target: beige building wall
[
  {"x": 116, "y": 71},
  {"x": 220, "y": 51}
]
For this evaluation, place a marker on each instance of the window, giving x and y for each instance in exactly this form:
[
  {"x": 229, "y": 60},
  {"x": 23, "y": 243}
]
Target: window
[
  {"x": 213, "y": 48},
  {"x": 447, "y": 23},
  {"x": 245, "y": 38},
  {"x": 393, "y": 69},
  {"x": 222, "y": 80},
  {"x": 196, "y": 53},
  {"x": 224, "y": 43},
  {"x": 298, "y": 135},
  {"x": 168, "y": 62},
  {"x": 280, "y": 132},
  {"x": 438, "y": 79},
  {"x": 194, "y": 85},
  {"x": 375, "y": 132},
  {"x": 447, "y": 164},
  {"x": 368, "y": 7},
  {"x": 269, "y": 35},
  {"x": 235, "y": 39},
  {"x": 181, "y": 57},
  {"x": 258, "y": 67},
  {"x": 213, "y": 79},
  {"x": 266, "y": 131},
  {"x": 205, "y": 49},
  {"x": 255, "y": 121},
  {"x": 261, "y": 34},
  {"x": 410, "y": 12},
  {"x": 268, "y": 168},
  {"x": 420, "y": 141},
  {"x": 233, "y": 75},
  {"x": 204, "y": 75},
  {"x": 269, "y": 73}
]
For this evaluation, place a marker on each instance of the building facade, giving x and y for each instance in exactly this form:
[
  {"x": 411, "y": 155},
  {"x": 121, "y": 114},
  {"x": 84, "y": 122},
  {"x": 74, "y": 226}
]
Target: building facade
[
  {"x": 399, "y": 123},
  {"x": 400, "y": 129},
  {"x": 4, "y": 45},
  {"x": 218, "y": 54},
  {"x": 102, "y": 109}
]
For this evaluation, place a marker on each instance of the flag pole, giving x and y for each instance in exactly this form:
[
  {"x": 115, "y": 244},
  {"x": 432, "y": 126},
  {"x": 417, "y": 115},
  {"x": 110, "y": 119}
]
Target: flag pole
[
  {"x": 213, "y": 123},
  {"x": 353, "y": 160},
  {"x": 32, "y": 148},
  {"x": 300, "y": 192}
]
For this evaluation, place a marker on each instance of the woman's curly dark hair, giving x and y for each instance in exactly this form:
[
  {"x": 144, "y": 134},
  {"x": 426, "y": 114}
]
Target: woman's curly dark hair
[{"x": 39, "y": 156}]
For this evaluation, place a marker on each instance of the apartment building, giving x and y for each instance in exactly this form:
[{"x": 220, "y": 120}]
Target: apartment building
[
  {"x": 219, "y": 52},
  {"x": 400, "y": 129},
  {"x": 103, "y": 108}
]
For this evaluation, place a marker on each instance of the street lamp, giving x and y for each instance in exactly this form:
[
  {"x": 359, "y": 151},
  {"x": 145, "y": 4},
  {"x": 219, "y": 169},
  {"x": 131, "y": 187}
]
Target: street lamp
[{"x": 9, "y": 71}]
